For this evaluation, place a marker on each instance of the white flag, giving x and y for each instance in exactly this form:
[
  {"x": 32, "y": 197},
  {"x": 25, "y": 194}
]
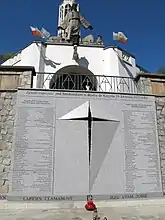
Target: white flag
[{"x": 45, "y": 33}]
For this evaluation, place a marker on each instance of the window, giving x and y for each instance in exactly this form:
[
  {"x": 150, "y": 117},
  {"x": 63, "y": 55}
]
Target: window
[
  {"x": 73, "y": 77},
  {"x": 73, "y": 81}
]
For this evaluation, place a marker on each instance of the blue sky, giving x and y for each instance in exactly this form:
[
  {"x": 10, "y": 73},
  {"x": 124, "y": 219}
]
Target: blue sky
[{"x": 143, "y": 22}]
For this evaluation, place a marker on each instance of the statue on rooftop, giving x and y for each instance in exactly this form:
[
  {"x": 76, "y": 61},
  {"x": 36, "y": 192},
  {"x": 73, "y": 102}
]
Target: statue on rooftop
[
  {"x": 99, "y": 40},
  {"x": 88, "y": 39},
  {"x": 71, "y": 26}
]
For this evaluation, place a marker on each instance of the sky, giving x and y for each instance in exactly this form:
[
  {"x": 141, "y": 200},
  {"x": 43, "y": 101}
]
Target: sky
[{"x": 142, "y": 21}]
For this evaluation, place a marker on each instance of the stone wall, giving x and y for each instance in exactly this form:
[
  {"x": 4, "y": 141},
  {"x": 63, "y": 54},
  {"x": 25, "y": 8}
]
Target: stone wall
[
  {"x": 144, "y": 86},
  {"x": 151, "y": 84},
  {"x": 7, "y": 115},
  {"x": 155, "y": 84},
  {"x": 160, "y": 107},
  {"x": 16, "y": 77},
  {"x": 10, "y": 79}
]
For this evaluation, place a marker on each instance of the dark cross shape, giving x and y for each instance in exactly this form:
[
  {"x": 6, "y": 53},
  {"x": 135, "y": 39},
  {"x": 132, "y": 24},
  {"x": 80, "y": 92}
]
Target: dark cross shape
[{"x": 89, "y": 119}]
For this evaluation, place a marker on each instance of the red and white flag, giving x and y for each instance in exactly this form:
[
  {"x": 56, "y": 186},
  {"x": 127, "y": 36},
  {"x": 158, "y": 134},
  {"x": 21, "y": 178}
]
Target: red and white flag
[
  {"x": 120, "y": 37},
  {"x": 36, "y": 32}
]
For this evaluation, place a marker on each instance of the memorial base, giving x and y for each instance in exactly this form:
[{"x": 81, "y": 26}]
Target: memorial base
[
  {"x": 129, "y": 210},
  {"x": 115, "y": 197}
]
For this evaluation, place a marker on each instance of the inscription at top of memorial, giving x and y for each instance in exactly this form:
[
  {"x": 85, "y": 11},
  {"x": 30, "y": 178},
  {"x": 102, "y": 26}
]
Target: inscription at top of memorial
[{"x": 48, "y": 132}]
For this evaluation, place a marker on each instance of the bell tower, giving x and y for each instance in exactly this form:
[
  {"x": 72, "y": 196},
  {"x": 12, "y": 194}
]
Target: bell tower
[{"x": 63, "y": 10}]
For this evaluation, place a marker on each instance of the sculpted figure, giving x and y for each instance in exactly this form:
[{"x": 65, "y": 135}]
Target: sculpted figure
[{"x": 72, "y": 23}]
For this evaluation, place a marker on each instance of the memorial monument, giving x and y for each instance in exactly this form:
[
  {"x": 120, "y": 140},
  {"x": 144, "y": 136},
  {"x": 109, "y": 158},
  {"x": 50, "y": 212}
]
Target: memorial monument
[{"x": 70, "y": 144}]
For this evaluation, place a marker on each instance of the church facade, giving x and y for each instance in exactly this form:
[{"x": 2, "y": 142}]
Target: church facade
[{"x": 55, "y": 58}]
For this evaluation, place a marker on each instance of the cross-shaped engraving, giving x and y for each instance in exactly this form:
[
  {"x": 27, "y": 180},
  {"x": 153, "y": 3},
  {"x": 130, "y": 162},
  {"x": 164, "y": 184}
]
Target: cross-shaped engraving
[
  {"x": 91, "y": 114},
  {"x": 89, "y": 120}
]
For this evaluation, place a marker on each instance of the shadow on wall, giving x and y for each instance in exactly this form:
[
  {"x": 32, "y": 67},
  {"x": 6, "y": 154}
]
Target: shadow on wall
[
  {"x": 83, "y": 62},
  {"x": 51, "y": 63},
  {"x": 124, "y": 65}
]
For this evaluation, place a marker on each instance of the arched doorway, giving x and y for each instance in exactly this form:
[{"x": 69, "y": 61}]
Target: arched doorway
[{"x": 73, "y": 77}]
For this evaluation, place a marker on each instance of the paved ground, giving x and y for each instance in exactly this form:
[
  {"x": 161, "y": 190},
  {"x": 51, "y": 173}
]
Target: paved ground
[{"x": 115, "y": 210}]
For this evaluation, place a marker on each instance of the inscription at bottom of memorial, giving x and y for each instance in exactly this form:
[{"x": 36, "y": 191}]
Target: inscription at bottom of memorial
[
  {"x": 46, "y": 198},
  {"x": 130, "y": 196},
  {"x": 70, "y": 198}
]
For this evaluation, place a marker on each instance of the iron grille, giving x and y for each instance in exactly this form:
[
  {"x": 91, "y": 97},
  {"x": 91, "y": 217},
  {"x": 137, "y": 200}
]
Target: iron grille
[{"x": 99, "y": 83}]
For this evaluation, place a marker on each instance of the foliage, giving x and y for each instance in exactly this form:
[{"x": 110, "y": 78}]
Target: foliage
[
  {"x": 6, "y": 56},
  {"x": 161, "y": 70}
]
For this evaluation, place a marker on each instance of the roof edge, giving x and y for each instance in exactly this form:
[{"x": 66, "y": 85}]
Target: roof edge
[
  {"x": 150, "y": 75},
  {"x": 18, "y": 69},
  {"x": 117, "y": 47},
  {"x": 143, "y": 69},
  {"x": 19, "y": 51}
]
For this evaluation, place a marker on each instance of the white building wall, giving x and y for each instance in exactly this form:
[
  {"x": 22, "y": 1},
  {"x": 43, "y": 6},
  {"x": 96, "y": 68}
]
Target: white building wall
[
  {"x": 29, "y": 56},
  {"x": 110, "y": 67},
  {"x": 126, "y": 68},
  {"x": 15, "y": 60},
  {"x": 89, "y": 57},
  {"x": 99, "y": 60},
  {"x": 61, "y": 55}
]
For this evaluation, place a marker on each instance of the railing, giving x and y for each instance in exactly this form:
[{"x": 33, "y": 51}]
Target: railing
[{"x": 100, "y": 83}]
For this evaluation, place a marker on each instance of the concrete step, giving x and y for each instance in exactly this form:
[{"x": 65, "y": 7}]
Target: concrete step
[{"x": 115, "y": 210}]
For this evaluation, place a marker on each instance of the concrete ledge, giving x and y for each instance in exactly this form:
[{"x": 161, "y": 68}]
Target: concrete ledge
[
  {"x": 4, "y": 204},
  {"x": 115, "y": 210},
  {"x": 18, "y": 69}
]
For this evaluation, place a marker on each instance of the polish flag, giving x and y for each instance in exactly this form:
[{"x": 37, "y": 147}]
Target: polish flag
[
  {"x": 120, "y": 37},
  {"x": 36, "y": 32}
]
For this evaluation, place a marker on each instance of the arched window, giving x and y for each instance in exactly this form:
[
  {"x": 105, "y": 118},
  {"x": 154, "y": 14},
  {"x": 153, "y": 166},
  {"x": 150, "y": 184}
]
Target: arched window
[
  {"x": 67, "y": 8},
  {"x": 73, "y": 81},
  {"x": 73, "y": 78}
]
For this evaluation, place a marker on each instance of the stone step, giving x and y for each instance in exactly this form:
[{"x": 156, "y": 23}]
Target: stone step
[{"x": 115, "y": 210}]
